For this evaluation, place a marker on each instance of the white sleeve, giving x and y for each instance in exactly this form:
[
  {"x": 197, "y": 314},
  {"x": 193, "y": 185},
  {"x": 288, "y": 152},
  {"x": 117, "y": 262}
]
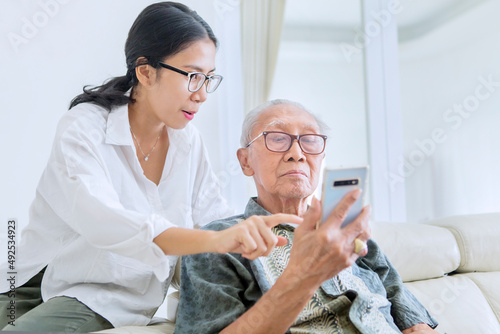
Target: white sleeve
[
  {"x": 76, "y": 186},
  {"x": 208, "y": 202}
]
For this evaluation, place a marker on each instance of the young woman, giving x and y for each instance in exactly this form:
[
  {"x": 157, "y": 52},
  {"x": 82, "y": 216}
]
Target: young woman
[{"x": 127, "y": 180}]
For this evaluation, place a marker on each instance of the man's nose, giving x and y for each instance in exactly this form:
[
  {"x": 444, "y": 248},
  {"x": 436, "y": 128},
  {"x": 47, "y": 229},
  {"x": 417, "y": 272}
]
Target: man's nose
[{"x": 295, "y": 153}]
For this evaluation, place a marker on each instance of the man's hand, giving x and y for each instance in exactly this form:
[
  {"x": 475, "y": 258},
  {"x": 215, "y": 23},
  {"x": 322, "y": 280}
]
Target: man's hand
[
  {"x": 316, "y": 255},
  {"x": 420, "y": 329},
  {"x": 319, "y": 254},
  {"x": 253, "y": 237}
]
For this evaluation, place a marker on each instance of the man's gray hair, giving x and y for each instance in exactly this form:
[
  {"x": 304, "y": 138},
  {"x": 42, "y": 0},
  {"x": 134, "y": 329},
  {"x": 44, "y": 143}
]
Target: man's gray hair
[{"x": 252, "y": 118}]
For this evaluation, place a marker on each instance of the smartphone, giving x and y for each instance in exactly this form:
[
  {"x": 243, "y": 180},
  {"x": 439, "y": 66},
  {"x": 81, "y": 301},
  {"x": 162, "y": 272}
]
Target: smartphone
[{"x": 336, "y": 184}]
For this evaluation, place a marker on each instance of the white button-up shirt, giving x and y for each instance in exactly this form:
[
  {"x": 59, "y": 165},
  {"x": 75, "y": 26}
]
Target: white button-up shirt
[{"x": 95, "y": 215}]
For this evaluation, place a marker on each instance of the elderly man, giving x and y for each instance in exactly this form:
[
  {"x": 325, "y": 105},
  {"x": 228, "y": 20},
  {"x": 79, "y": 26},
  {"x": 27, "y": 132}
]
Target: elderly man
[{"x": 320, "y": 285}]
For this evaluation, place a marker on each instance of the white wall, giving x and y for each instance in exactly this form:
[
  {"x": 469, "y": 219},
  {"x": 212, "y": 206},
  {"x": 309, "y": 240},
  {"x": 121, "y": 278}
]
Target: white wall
[
  {"x": 73, "y": 43},
  {"x": 458, "y": 173}
]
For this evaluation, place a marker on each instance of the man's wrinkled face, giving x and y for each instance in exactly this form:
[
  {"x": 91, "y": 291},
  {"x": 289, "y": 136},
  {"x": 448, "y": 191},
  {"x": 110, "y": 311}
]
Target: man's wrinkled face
[{"x": 288, "y": 175}]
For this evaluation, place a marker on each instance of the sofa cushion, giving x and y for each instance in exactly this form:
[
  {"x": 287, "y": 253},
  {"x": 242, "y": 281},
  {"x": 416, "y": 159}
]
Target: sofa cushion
[
  {"x": 176, "y": 279},
  {"x": 477, "y": 237},
  {"x": 173, "y": 300},
  {"x": 457, "y": 303},
  {"x": 432, "y": 251},
  {"x": 489, "y": 285}
]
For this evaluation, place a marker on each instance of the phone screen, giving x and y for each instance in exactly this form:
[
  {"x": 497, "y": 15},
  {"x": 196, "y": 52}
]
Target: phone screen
[{"x": 336, "y": 184}]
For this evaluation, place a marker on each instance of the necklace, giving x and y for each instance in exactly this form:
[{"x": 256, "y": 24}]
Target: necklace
[{"x": 146, "y": 157}]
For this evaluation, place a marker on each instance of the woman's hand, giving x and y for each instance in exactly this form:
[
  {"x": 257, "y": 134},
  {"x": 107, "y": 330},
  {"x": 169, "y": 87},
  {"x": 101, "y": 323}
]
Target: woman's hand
[{"x": 253, "y": 237}]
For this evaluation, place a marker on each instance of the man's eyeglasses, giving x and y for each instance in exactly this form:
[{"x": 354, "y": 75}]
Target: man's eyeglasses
[
  {"x": 277, "y": 141},
  {"x": 197, "y": 79}
]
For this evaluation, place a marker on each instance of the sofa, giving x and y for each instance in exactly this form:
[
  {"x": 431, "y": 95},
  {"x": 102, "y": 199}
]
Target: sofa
[{"x": 452, "y": 265}]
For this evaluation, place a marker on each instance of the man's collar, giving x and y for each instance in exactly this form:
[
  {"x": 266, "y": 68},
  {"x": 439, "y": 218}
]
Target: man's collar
[{"x": 254, "y": 209}]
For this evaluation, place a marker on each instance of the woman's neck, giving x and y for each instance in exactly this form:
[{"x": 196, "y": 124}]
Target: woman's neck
[{"x": 143, "y": 122}]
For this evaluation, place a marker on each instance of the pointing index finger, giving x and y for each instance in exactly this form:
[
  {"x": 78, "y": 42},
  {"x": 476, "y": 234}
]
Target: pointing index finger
[{"x": 280, "y": 218}]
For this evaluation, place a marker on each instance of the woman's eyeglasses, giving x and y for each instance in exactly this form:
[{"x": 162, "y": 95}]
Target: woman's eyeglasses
[{"x": 197, "y": 79}]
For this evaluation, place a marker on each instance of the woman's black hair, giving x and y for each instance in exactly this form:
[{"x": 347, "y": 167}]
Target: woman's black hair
[{"x": 161, "y": 30}]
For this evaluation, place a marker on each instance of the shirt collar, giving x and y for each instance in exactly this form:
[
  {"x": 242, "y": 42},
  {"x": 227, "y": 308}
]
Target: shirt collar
[
  {"x": 118, "y": 127},
  {"x": 179, "y": 139},
  {"x": 254, "y": 209},
  {"x": 118, "y": 132}
]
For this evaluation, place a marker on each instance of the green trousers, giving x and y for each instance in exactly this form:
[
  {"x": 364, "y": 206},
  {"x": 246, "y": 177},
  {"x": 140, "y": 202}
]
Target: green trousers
[{"x": 26, "y": 312}]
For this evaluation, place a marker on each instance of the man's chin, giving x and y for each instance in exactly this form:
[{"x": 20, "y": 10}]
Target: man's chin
[{"x": 296, "y": 193}]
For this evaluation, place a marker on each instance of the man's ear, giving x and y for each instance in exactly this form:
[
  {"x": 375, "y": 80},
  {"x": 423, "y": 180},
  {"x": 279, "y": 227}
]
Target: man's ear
[
  {"x": 146, "y": 74},
  {"x": 242, "y": 154}
]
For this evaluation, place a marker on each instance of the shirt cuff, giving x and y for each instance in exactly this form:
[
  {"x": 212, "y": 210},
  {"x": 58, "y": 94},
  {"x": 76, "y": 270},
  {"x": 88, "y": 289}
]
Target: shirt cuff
[
  {"x": 163, "y": 268},
  {"x": 412, "y": 321},
  {"x": 159, "y": 224}
]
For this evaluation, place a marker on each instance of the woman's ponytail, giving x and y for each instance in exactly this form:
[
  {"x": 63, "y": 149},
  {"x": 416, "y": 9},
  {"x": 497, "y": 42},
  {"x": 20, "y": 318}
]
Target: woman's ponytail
[{"x": 110, "y": 94}]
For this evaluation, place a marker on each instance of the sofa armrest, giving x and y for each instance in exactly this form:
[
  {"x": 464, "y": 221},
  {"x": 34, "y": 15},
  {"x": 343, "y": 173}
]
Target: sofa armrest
[{"x": 477, "y": 238}]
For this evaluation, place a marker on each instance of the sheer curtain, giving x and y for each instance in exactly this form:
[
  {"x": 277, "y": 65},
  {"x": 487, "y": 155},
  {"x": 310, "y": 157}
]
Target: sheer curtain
[{"x": 261, "y": 22}]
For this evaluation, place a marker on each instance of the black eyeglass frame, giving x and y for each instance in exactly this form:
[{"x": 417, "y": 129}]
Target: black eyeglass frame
[
  {"x": 297, "y": 137},
  {"x": 190, "y": 75}
]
